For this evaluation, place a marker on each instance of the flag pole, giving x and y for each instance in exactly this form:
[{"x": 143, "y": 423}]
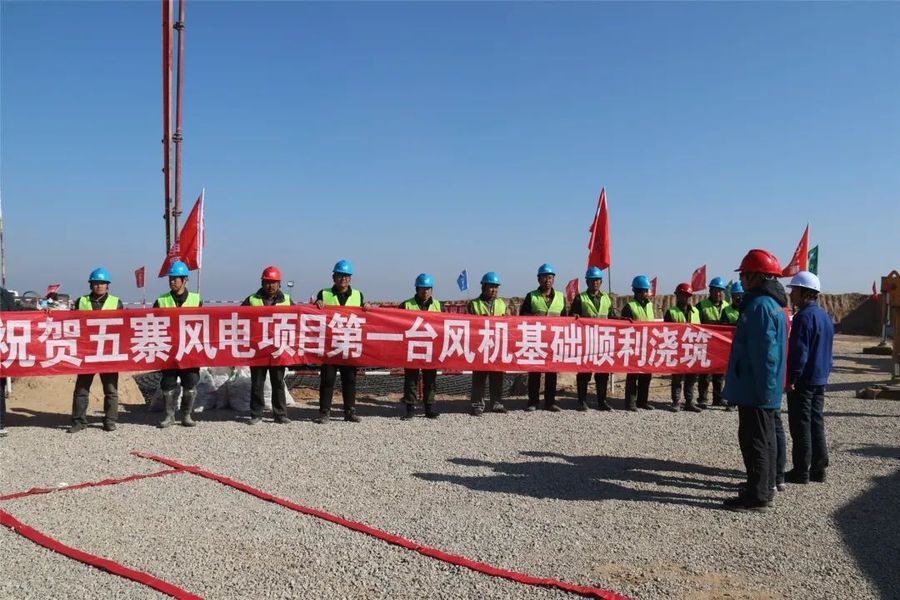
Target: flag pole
[{"x": 201, "y": 235}]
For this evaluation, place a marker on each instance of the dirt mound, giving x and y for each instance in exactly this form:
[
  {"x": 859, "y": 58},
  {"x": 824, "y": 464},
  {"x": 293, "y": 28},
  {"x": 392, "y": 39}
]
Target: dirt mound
[{"x": 34, "y": 396}]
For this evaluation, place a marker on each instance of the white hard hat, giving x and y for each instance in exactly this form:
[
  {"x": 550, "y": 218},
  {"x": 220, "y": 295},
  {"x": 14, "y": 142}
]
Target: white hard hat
[{"x": 807, "y": 280}]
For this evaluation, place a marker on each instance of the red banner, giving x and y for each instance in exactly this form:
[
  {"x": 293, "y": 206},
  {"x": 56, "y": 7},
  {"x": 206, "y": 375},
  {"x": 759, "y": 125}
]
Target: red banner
[
  {"x": 139, "y": 278},
  {"x": 37, "y": 343}
]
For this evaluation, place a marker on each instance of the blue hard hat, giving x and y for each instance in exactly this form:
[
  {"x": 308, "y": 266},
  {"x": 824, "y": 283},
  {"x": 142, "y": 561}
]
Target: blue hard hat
[
  {"x": 178, "y": 269},
  {"x": 641, "y": 282},
  {"x": 99, "y": 274},
  {"x": 737, "y": 288},
  {"x": 424, "y": 280},
  {"x": 490, "y": 278},
  {"x": 343, "y": 267},
  {"x": 546, "y": 269},
  {"x": 718, "y": 282},
  {"x": 594, "y": 273}
]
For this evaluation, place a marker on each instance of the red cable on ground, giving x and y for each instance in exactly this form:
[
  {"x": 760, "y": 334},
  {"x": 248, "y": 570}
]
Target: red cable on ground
[
  {"x": 7, "y": 520},
  {"x": 36, "y": 491},
  {"x": 461, "y": 561}
]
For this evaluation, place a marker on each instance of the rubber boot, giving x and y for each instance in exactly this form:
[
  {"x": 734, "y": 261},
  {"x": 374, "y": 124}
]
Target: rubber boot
[
  {"x": 350, "y": 416},
  {"x": 410, "y": 411},
  {"x": 631, "y": 403},
  {"x": 430, "y": 412},
  {"x": 170, "y": 398},
  {"x": 676, "y": 397},
  {"x": 187, "y": 405}
]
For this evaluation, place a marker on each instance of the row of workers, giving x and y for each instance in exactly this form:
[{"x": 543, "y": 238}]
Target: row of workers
[{"x": 544, "y": 301}]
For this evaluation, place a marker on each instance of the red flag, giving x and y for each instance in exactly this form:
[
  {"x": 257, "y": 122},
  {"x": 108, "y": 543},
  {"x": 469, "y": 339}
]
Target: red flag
[
  {"x": 51, "y": 289},
  {"x": 874, "y": 293},
  {"x": 173, "y": 255},
  {"x": 598, "y": 246},
  {"x": 139, "y": 278},
  {"x": 800, "y": 260},
  {"x": 653, "y": 287},
  {"x": 191, "y": 237},
  {"x": 698, "y": 279},
  {"x": 188, "y": 247},
  {"x": 571, "y": 290}
]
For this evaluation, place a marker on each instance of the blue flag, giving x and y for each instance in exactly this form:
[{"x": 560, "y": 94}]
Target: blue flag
[{"x": 463, "y": 281}]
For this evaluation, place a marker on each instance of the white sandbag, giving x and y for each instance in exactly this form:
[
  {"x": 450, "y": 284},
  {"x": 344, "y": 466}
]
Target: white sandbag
[{"x": 236, "y": 392}]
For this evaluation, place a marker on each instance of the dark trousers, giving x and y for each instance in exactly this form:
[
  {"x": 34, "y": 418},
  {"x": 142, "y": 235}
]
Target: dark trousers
[
  {"x": 806, "y": 419},
  {"x": 637, "y": 387},
  {"x": 2, "y": 402},
  {"x": 327, "y": 377},
  {"x": 780, "y": 447},
  {"x": 258, "y": 386},
  {"x": 82, "y": 394},
  {"x": 583, "y": 380},
  {"x": 685, "y": 382},
  {"x": 703, "y": 387},
  {"x": 534, "y": 388},
  {"x": 495, "y": 387},
  {"x": 189, "y": 379},
  {"x": 411, "y": 385},
  {"x": 756, "y": 435}
]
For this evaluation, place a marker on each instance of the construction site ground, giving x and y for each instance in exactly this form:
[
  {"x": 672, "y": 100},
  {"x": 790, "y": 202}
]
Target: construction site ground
[{"x": 628, "y": 502}]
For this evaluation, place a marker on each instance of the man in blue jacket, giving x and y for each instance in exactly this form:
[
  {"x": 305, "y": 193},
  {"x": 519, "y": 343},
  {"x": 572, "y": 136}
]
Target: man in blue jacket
[
  {"x": 809, "y": 365},
  {"x": 754, "y": 380}
]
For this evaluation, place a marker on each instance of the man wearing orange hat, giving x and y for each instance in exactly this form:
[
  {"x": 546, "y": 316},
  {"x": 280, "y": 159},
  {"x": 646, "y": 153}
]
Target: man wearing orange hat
[
  {"x": 683, "y": 312},
  {"x": 269, "y": 294},
  {"x": 755, "y": 377}
]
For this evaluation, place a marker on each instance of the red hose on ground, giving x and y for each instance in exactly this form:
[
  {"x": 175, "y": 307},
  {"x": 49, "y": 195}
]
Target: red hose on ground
[
  {"x": 461, "y": 561},
  {"x": 7, "y": 520},
  {"x": 36, "y": 491}
]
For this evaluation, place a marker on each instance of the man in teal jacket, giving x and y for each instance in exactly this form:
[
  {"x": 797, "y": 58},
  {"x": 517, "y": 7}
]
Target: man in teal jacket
[{"x": 754, "y": 380}]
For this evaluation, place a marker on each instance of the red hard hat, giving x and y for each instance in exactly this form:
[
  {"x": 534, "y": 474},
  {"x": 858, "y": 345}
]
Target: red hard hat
[
  {"x": 760, "y": 261},
  {"x": 271, "y": 273},
  {"x": 684, "y": 288}
]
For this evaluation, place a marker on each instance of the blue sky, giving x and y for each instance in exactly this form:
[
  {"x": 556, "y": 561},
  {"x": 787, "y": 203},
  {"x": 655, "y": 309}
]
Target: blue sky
[{"x": 441, "y": 136}]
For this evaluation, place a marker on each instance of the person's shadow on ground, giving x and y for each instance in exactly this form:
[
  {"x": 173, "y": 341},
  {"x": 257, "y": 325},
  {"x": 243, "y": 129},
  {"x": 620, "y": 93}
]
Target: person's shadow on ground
[
  {"x": 870, "y": 526},
  {"x": 598, "y": 478}
]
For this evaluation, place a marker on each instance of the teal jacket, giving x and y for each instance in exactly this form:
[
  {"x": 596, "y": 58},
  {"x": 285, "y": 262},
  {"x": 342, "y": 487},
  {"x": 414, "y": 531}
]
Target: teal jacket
[{"x": 756, "y": 366}]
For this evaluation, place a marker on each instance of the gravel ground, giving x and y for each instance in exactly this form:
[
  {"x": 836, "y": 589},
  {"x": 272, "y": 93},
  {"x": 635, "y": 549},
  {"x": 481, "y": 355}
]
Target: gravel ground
[{"x": 622, "y": 501}]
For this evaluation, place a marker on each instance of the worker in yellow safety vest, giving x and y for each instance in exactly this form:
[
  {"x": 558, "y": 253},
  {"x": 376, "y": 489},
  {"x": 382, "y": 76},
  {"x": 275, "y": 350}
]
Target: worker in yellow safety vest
[
  {"x": 488, "y": 304},
  {"x": 593, "y": 304},
  {"x": 423, "y": 300},
  {"x": 339, "y": 294},
  {"x": 683, "y": 312},
  {"x": 712, "y": 310},
  {"x": 178, "y": 297},
  {"x": 269, "y": 294},
  {"x": 98, "y": 299},
  {"x": 544, "y": 301},
  {"x": 640, "y": 308}
]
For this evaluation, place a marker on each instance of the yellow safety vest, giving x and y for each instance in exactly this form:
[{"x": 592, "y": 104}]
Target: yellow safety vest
[
  {"x": 329, "y": 298},
  {"x": 111, "y": 303},
  {"x": 168, "y": 301},
  {"x": 588, "y": 309},
  {"x": 640, "y": 313}
]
